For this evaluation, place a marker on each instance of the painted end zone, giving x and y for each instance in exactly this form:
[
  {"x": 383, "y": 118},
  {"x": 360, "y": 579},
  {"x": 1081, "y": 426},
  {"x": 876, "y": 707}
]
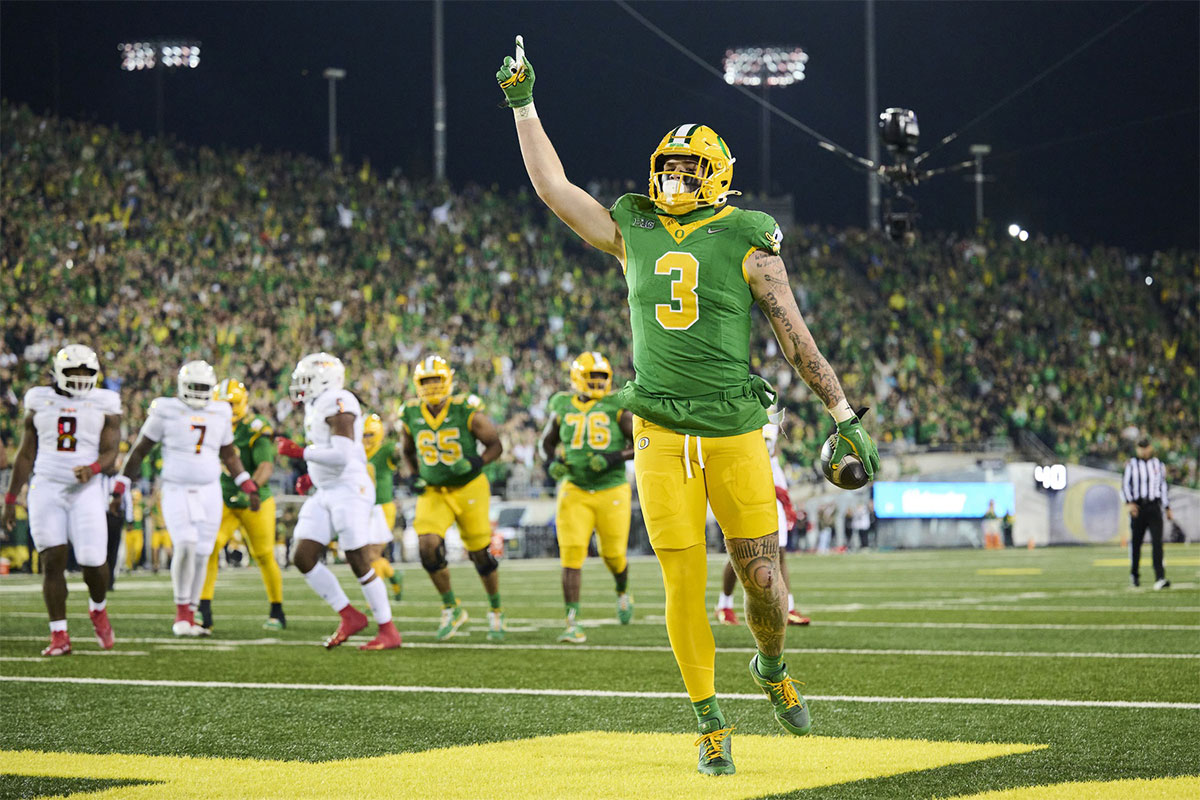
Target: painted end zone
[{"x": 653, "y": 766}]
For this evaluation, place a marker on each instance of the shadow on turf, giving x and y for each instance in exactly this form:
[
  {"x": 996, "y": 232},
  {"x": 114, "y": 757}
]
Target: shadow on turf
[
  {"x": 1008, "y": 772},
  {"x": 41, "y": 786}
]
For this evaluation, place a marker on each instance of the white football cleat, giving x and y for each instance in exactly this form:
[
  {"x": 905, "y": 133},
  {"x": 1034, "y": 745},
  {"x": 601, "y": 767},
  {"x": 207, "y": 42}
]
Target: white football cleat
[
  {"x": 1161, "y": 584},
  {"x": 200, "y": 630},
  {"x": 182, "y": 628}
]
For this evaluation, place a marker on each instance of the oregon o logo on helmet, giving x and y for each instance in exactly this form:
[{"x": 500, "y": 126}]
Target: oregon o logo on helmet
[{"x": 643, "y": 442}]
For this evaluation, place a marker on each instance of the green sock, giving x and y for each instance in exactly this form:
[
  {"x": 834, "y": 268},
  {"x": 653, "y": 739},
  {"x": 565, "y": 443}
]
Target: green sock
[
  {"x": 494, "y": 601},
  {"x": 708, "y": 714},
  {"x": 770, "y": 667},
  {"x": 572, "y": 613},
  {"x": 448, "y": 599}
]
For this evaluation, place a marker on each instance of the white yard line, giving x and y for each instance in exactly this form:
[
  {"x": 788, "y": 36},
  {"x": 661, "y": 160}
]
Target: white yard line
[
  {"x": 1018, "y": 626},
  {"x": 227, "y": 644},
  {"x": 321, "y": 687}
]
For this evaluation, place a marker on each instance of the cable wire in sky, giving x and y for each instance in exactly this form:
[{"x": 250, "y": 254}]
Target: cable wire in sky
[
  {"x": 666, "y": 37},
  {"x": 829, "y": 144},
  {"x": 1090, "y": 134},
  {"x": 1031, "y": 82}
]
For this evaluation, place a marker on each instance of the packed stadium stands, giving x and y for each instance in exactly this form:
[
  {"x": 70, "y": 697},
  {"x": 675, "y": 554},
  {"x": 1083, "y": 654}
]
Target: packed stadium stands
[{"x": 251, "y": 259}]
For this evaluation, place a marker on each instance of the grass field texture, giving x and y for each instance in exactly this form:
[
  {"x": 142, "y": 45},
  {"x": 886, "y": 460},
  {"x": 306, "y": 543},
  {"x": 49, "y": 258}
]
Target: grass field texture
[{"x": 937, "y": 674}]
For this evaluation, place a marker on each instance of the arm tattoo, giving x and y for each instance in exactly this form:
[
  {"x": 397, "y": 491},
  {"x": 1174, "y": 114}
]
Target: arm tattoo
[
  {"x": 769, "y": 283},
  {"x": 756, "y": 562}
]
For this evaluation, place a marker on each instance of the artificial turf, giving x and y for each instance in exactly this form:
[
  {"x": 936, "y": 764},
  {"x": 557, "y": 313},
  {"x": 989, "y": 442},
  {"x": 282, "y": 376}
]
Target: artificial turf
[{"x": 885, "y": 626}]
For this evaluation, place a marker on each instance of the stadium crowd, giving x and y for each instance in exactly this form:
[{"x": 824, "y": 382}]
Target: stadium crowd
[{"x": 157, "y": 253}]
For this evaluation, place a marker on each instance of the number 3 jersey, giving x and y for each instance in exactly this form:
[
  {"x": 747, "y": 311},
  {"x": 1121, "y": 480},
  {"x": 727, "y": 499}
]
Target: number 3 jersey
[
  {"x": 330, "y": 403},
  {"x": 587, "y": 428},
  {"x": 191, "y": 438},
  {"x": 68, "y": 429},
  {"x": 443, "y": 439},
  {"x": 689, "y": 310}
]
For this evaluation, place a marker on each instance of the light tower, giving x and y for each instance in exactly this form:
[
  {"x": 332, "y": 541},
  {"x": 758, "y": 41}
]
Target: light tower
[
  {"x": 333, "y": 75},
  {"x": 978, "y": 151},
  {"x": 159, "y": 55},
  {"x": 765, "y": 67}
]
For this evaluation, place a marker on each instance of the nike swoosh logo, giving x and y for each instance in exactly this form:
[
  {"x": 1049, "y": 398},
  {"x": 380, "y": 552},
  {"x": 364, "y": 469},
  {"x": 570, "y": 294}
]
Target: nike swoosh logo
[{"x": 717, "y": 230}]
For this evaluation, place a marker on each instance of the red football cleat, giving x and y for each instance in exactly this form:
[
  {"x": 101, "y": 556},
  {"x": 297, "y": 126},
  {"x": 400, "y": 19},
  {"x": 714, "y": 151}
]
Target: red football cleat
[
  {"x": 184, "y": 613},
  {"x": 104, "y": 631},
  {"x": 60, "y": 644},
  {"x": 352, "y": 622},
  {"x": 796, "y": 618},
  {"x": 726, "y": 616},
  {"x": 388, "y": 638}
]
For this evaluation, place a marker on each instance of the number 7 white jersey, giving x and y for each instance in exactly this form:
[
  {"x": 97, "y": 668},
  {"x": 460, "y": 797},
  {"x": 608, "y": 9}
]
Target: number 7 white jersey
[
  {"x": 191, "y": 438},
  {"x": 68, "y": 429}
]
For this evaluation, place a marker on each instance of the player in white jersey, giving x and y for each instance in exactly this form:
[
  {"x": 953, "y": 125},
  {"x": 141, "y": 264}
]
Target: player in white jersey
[
  {"x": 787, "y": 518},
  {"x": 72, "y": 432},
  {"x": 197, "y": 439},
  {"x": 345, "y": 497}
]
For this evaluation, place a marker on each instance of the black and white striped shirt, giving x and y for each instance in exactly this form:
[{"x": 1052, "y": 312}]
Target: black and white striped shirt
[{"x": 1145, "y": 480}]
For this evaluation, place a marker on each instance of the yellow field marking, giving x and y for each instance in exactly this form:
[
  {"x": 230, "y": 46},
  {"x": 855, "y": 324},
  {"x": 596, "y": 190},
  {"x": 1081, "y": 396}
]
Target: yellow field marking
[
  {"x": 1010, "y": 571},
  {"x": 1175, "y": 561},
  {"x": 649, "y": 766},
  {"x": 1186, "y": 787}
]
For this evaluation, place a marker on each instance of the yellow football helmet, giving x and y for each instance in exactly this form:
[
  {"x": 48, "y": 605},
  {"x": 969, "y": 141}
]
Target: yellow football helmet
[
  {"x": 584, "y": 378},
  {"x": 679, "y": 192},
  {"x": 372, "y": 434},
  {"x": 434, "y": 380},
  {"x": 234, "y": 392}
]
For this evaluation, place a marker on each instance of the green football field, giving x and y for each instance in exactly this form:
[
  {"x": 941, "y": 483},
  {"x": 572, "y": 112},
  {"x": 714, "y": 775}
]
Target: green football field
[{"x": 937, "y": 674}]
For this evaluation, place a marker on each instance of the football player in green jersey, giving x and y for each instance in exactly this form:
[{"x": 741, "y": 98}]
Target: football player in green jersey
[
  {"x": 252, "y": 437},
  {"x": 694, "y": 266},
  {"x": 381, "y": 466},
  {"x": 593, "y": 492},
  {"x": 442, "y": 434}
]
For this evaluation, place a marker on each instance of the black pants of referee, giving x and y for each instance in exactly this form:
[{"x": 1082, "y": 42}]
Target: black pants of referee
[{"x": 1150, "y": 517}]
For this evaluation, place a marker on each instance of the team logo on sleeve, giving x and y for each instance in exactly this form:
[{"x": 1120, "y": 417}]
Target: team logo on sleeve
[{"x": 774, "y": 239}]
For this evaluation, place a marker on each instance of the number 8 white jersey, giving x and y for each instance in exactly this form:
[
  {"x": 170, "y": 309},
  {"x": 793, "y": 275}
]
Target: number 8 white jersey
[
  {"x": 68, "y": 429},
  {"x": 191, "y": 438}
]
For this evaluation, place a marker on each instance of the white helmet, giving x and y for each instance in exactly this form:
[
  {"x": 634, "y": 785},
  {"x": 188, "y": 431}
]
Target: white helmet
[
  {"x": 74, "y": 356},
  {"x": 314, "y": 374},
  {"x": 196, "y": 382}
]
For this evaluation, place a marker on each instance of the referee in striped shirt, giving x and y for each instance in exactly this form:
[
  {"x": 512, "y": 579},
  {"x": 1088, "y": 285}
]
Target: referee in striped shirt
[{"x": 1145, "y": 491}]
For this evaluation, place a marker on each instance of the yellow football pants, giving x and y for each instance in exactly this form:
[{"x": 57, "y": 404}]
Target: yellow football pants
[
  {"x": 382, "y": 567},
  {"x": 438, "y": 507},
  {"x": 258, "y": 529},
  {"x": 678, "y": 477},
  {"x": 134, "y": 539},
  {"x": 579, "y": 511}
]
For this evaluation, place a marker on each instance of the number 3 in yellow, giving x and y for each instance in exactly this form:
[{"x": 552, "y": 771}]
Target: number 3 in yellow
[{"x": 684, "y": 309}]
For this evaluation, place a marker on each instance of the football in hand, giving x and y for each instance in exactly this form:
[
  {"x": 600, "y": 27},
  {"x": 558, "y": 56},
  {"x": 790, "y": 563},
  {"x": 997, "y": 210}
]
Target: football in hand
[{"x": 850, "y": 474}]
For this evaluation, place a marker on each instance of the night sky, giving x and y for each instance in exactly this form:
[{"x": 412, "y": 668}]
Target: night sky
[{"x": 1073, "y": 155}]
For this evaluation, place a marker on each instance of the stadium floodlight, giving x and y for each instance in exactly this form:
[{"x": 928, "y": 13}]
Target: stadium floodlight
[
  {"x": 1014, "y": 230},
  {"x": 159, "y": 56},
  {"x": 159, "y": 53},
  {"x": 765, "y": 67},
  {"x": 1023, "y": 236}
]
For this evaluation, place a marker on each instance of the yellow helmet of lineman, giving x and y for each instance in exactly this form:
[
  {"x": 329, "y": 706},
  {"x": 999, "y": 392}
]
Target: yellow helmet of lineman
[
  {"x": 677, "y": 192},
  {"x": 234, "y": 392},
  {"x": 372, "y": 434},
  {"x": 434, "y": 379},
  {"x": 591, "y": 375}
]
